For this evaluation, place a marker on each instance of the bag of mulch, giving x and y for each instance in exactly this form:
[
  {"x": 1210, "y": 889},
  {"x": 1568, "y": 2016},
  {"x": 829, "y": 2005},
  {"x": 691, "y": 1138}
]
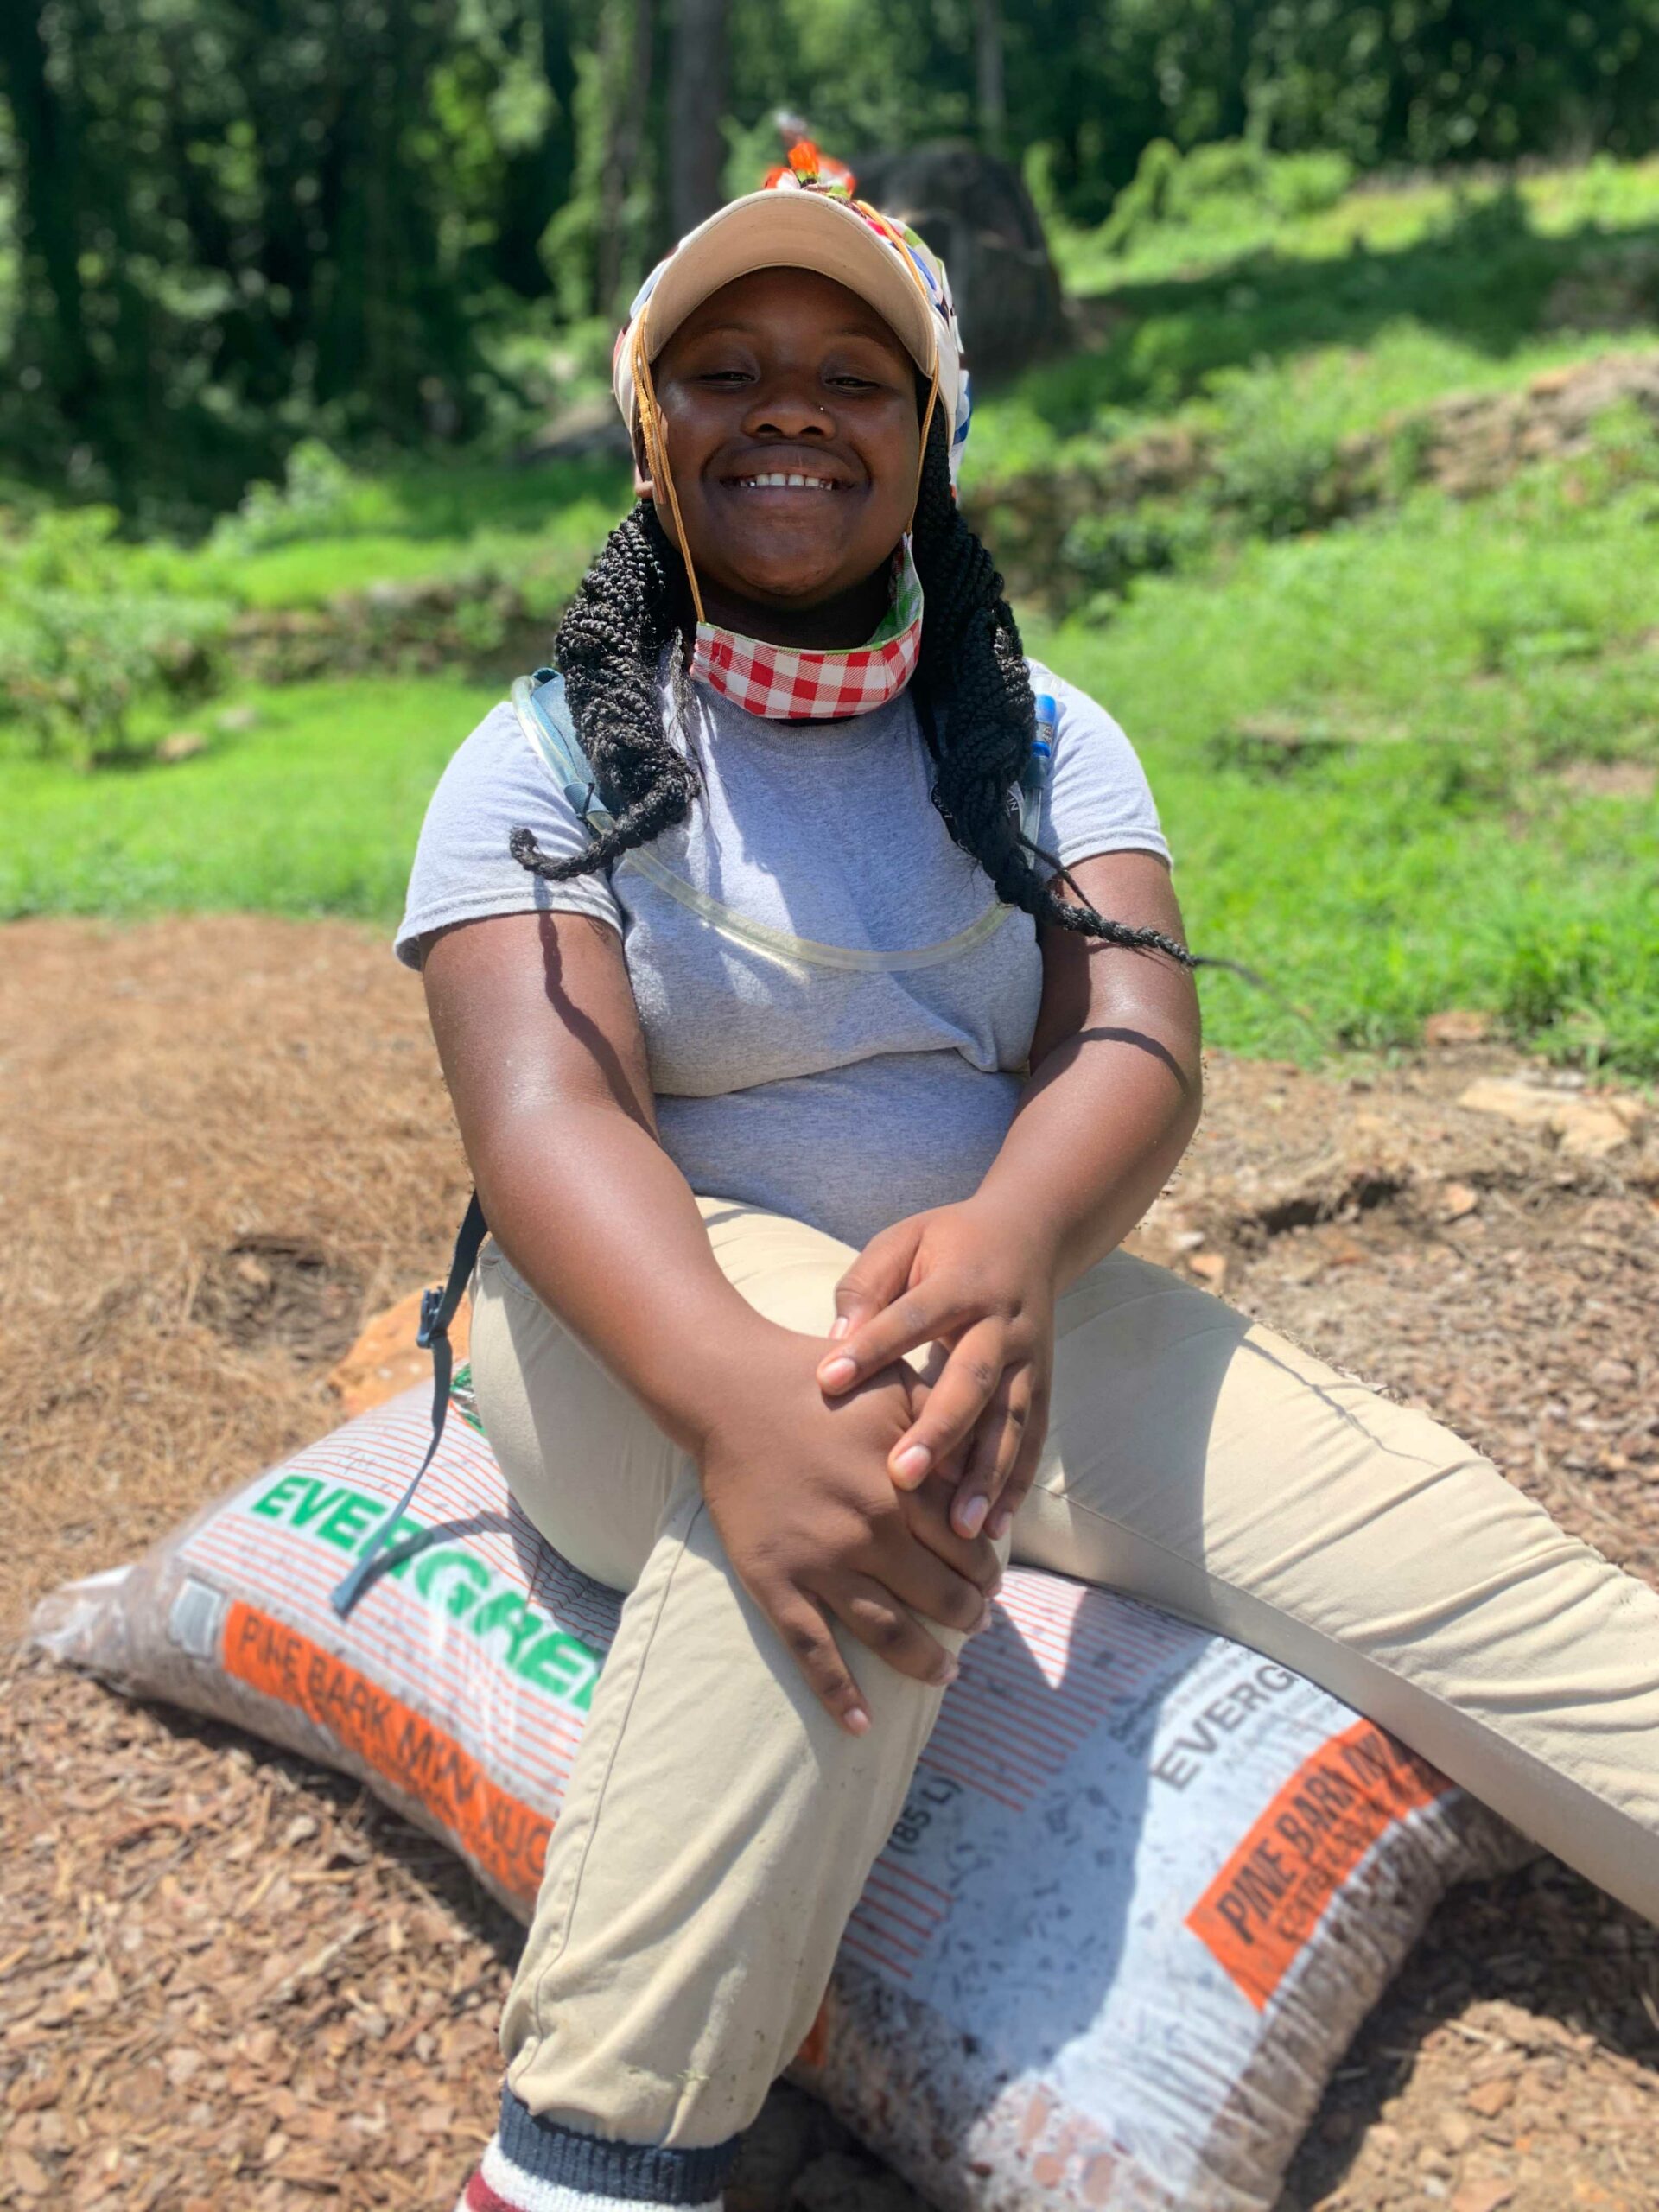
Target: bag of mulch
[{"x": 1146, "y": 1885}]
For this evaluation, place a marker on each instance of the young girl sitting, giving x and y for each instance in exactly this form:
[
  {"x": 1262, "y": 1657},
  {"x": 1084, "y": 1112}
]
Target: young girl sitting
[{"x": 813, "y": 1061}]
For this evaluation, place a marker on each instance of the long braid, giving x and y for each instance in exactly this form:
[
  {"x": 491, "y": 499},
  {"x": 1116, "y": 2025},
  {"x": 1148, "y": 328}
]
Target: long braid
[
  {"x": 632, "y": 602},
  {"x": 975, "y": 683},
  {"x": 972, "y": 689}
]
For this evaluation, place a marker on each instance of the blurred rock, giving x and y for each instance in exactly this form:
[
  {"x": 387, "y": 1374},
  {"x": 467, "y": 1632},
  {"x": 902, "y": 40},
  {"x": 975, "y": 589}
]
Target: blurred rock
[
  {"x": 180, "y": 745},
  {"x": 975, "y": 213},
  {"x": 792, "y": 2130},
  {"x": 1593, "y": 1126},
  {"x": 591, "y": 429},
  {"x": 845, "y": 2181},
  {"x": 1457, "y": 1025},
  {"x": 1588, "y": 1125}
]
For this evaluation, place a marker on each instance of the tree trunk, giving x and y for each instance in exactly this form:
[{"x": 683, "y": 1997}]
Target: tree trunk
[
  {"x": 993, "y": 101},
  {"x": 625, "y": 62},
  {"x": 696, "y": 100},
  {"x": 48, "y": 213}
]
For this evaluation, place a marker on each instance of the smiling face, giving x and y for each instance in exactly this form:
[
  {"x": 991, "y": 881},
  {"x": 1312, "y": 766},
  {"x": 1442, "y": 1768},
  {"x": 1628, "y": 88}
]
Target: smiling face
[{"x": 794, "y": 439}]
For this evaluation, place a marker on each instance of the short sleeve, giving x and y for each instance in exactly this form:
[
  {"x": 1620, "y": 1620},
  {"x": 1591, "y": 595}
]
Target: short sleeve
[
  {"x": 464, "y": 870},
  {"x": 1098, "y": 799}
]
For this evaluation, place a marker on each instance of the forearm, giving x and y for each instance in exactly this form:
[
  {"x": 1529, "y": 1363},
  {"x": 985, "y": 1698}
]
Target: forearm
[
  {"x": 603, "y": 1227},
  {"x": 1102, "y": 1122}
]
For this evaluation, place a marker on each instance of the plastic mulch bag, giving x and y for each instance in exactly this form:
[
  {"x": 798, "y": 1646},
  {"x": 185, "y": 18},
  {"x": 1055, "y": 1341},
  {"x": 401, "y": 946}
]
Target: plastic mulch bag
[{"x": 1198, "y": 1871}]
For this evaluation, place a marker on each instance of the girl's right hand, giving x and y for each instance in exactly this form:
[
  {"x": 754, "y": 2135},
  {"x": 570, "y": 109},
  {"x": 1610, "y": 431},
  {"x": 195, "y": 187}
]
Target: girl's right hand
[{"x": 798, "y": 1486}]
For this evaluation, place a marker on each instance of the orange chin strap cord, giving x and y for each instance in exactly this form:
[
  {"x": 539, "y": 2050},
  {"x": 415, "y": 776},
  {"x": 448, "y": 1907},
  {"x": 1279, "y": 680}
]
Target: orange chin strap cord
[{"x": 656, "y": 436}]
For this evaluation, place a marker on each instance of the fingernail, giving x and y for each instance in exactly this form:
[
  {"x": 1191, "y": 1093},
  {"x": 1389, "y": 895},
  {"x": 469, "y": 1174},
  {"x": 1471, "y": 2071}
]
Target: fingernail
[
  {"x": 972, "y": 1515},
  {"x": 836, "y": 1371},
  {"x": 839, "y": 1327},
  {"x": 1002, "y": 1521},
  {"x": 949, "y": 1675},
  {"x": 857, "y": 1720},
  {"x": 984, "y": 1620},
  {"x": 914, "y": 1459}
]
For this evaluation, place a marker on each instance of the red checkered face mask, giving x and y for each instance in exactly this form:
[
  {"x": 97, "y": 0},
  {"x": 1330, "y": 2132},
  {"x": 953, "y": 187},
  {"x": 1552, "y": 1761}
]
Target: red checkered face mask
[{"x": 786, "y": 685}]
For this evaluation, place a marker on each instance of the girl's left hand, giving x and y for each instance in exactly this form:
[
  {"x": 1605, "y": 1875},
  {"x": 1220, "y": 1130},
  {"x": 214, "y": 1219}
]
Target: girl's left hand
[{"x": 972, "y": 1279}]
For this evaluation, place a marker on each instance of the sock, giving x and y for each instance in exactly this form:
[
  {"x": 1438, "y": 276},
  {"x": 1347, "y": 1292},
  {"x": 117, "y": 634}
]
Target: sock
[{"x": 537, "y": 2166}]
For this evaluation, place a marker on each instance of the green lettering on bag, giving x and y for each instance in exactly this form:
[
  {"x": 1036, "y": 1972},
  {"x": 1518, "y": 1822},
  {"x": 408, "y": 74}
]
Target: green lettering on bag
[
  {"x": 507, "y": 1610},
  {"x": 350, "y": 1522},
  {"x": 456, "y": 1599},
  {"x": 277, "y": 1500},
  {"x": 449, "y": 1580},
  {"x": 563, "y": 1665}
]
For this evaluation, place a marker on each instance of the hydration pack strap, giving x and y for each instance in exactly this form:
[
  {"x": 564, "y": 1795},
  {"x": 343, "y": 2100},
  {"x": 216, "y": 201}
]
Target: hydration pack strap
[
  {"x": 539, "y": 701},
  {"x": 438, "y": 1309}
]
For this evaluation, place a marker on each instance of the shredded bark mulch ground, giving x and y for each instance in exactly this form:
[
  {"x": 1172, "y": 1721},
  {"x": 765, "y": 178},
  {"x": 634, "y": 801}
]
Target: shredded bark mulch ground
[{"x": 229, "y": 1980}]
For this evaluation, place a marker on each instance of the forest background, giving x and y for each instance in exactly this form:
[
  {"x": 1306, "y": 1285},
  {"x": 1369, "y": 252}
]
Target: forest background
[{"x": 1339, "y": 488}]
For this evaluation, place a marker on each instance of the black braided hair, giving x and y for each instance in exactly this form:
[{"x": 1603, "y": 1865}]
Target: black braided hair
[{"x": 972, "y": 692}]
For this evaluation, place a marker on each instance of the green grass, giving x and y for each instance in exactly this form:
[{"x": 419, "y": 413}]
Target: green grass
[
  {"x": 1387, "y": 302},
  {"x": 406, "y": 525},
  {"x": 314, "y": 810},
  {"x": 1382, "y": 215},
  {"x": 1442, "y": 686}
]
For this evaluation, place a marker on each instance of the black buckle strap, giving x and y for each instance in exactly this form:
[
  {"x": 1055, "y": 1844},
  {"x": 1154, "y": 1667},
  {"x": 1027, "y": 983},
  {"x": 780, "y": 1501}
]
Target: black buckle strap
[{"x": 438, "y": 1310}]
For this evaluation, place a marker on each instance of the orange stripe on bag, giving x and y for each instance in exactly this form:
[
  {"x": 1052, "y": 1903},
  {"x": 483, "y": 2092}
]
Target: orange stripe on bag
[
  {"x": 507, "y": 1839},
  {"x": 1269, "y": 1898}
]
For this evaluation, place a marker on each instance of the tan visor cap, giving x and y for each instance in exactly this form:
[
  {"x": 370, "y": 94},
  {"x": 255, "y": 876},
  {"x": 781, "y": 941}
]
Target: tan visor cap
[{"x": 791, "y": 230}]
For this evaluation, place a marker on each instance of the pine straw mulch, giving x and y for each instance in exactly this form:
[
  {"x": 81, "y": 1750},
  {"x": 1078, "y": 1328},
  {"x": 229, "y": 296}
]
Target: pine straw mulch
[{"x": 229, "y": 1980}]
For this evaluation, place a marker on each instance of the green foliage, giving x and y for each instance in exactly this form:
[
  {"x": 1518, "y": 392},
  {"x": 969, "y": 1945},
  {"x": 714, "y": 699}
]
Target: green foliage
[
  {"x": 240, "y": 224},
  {"x": 1109, "y": 548},
  {"x": 227, "y": 227},
  {"x": 281, "y": 818},
  {"x": 102, "y": 641},
  {"x": 1371, "y": 746},
  {"x": 1226, "y": 183},
  {"x": 87, "y": 639},
  {"x": 315, "y": 500},
  {"x": 471, "y": 526},
  {"x": 1297, "y": 374}
]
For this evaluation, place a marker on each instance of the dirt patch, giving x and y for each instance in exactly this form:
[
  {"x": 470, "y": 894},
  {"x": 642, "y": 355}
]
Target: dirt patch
[
  {"x": 270, "y": 1290},
  {"x": 231, "y": 1980}
]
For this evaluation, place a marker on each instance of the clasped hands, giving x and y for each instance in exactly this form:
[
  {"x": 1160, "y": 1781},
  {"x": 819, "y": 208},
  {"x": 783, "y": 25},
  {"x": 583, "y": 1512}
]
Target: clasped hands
[
  {"x": 899, "y": 1486},
  {"x": 966, "y": 1278}
]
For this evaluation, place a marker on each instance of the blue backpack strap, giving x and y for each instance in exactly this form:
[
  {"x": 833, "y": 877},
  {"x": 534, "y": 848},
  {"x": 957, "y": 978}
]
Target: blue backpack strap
[
  {"x": 546, "y": 721},
  {"x": 1039, "y": 764},
  {"x": 1033, "y": 778}
]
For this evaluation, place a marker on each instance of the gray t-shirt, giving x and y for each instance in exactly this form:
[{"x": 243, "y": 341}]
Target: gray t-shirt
[{"x": 848, "y": 1099}]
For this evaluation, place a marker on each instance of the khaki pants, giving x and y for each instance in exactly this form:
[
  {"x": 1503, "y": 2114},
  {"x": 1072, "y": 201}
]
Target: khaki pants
[{"x": 719, "y": 1825}]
